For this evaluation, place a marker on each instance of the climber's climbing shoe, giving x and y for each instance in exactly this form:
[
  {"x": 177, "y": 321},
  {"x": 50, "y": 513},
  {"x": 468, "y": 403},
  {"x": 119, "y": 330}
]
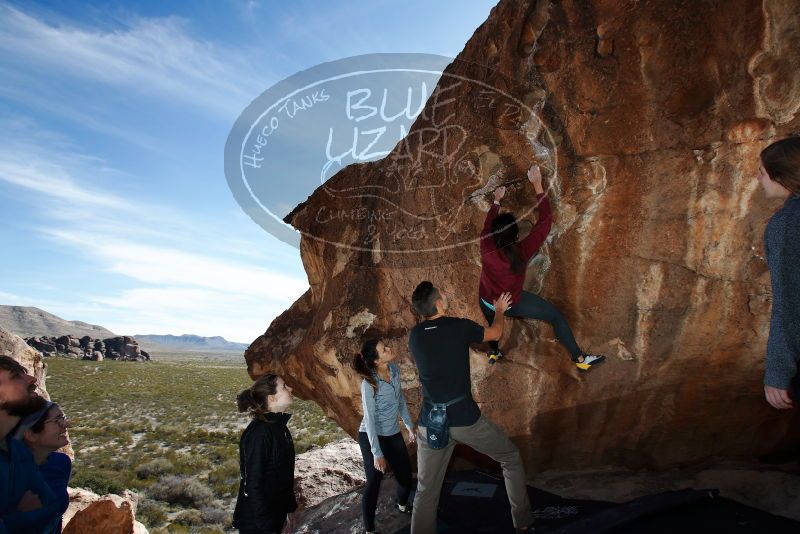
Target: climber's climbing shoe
[
  {"x": 589, "y": 361},
  {"x": 495, "y": 355}
]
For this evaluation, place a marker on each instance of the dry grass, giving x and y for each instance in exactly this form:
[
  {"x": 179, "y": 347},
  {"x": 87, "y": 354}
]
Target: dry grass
[{"x": 148, "y": 425}]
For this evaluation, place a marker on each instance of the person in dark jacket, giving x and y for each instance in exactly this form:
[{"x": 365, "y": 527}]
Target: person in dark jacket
[
  {"x": 503, "y": 263},
  {"x": 266, "y": 459},
  {"x": 27, "y": 503},
  {"x": 779, "y": 176},
  {"x": 44, "y": 432}
]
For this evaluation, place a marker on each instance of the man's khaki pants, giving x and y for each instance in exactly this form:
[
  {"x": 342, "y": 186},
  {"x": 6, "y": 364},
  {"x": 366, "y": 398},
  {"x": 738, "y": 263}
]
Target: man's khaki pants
[{"x": 485, "y": 438}]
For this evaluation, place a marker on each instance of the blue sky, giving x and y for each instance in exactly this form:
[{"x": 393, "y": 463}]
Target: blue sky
[{"x": 114, "y": 208}]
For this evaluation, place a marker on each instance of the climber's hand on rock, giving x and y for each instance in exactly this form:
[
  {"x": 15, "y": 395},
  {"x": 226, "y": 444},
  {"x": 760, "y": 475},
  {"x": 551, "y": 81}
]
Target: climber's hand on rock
[
  {"x": 535, "y": 178},
  {"x": 499, "y": 193},
  {"x": 778, "y": 398},
  {"x": 502, "y": 303}
]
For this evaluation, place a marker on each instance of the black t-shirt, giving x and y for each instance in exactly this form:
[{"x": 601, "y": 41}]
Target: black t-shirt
[{"x": 441, "y": 350}]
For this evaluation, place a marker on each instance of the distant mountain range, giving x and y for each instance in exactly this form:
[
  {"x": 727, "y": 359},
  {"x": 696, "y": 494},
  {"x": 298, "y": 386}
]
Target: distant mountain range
[
  {"x": 190, "y": 342},
  {"x": 26, "y": 321}
]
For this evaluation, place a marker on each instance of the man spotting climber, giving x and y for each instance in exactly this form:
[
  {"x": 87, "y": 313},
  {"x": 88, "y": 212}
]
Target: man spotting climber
[{"x": 440, "y": 347}]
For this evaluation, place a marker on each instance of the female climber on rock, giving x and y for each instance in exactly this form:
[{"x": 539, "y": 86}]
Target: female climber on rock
[
  {"x": 503, "y": 262},
  {"x": 779, "y": 175},
  {"x": 266, "y": 459},
  {"x": 379, "y": 434}
]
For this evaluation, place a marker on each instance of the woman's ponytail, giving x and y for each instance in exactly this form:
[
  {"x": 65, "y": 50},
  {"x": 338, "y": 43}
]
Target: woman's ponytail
[
  {"x": 364, "y": 362},
  {"x": 245, "y": 401},
  {"x": 255, "y": 398}
]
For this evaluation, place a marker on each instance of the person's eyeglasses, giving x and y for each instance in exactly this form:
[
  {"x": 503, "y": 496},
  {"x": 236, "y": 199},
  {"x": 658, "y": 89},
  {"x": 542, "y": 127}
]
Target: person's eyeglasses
[{"x": 61, "y": 420}]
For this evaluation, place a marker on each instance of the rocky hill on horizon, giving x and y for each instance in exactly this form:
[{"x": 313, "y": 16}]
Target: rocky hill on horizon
[
  {"x": 31, "y": 322},
  {"x": 28, "y": 321},
  {"x": 190, "y": 342},
  {"x": 123, "y": 348}
]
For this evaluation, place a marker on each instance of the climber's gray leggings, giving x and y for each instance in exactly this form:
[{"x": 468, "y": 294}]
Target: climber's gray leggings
[{"x": 532, "y": 306}]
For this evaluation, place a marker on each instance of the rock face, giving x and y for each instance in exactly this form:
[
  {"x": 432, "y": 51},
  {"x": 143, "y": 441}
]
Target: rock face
[
  {"x": 341, "y": 513},
  {"x": 31, "y": 359},
  {"x": 122, "y": 348},
  {"x": 770, "y": 490},
  {"x": 115, "y": 348},
  {"x": 326, "y": 471},
  {"x": 109, "y": 514},
  {"x": 650, "y": 141},
  {"x": 14, "y": 346}
]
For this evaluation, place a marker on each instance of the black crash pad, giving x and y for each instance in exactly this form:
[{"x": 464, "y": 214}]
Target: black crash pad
[{"x": 474, "y": 502}]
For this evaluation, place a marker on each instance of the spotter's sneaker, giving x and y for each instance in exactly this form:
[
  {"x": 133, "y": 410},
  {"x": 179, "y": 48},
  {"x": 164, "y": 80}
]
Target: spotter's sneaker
[
  {"x": 407, "y": 509},
  {"x": 589, "y": 361},
  {"x": 495, "y": 355}
]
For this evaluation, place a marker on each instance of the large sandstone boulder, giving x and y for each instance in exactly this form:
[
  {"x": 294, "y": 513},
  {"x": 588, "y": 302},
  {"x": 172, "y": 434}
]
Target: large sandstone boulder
[
  {"x": 124, "y": 348},
  {"x": 20, "y": 350},
  {"x": 109, "y": 514},
  {"x": 44, "y": 346},
  {"x": 30, "y": 358},
  {"x": 769, "y": 490},
  {"x": 648, "y": 118},
  {"x": 326, "y": 471},
  {"x": 87, "y": 348},
  {"x": 341, "y": 513}
]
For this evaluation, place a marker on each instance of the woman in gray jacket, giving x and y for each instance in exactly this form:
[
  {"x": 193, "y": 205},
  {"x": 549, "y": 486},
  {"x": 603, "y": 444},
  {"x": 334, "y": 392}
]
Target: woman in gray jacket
[{"x": 379, "y": 435}]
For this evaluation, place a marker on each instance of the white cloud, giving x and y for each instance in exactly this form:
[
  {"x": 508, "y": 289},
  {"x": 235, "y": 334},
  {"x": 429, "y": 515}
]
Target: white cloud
[
  {"x": 51, "y": 180},
  {"x": 45, "y": 164},
  {"x": 167, "y": 266},
  {"x": 187, "y": 278},
  {"x": 189, "y": 311},
  {"x": 19, "y": 90},
  {"x": 55, "y": 172},
  {"x": 151, "y": 56},
  {"x": 9, "y": 299}
]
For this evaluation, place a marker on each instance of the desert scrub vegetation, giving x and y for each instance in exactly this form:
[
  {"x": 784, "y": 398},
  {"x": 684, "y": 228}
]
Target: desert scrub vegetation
[{"x": 168, "y": 430}]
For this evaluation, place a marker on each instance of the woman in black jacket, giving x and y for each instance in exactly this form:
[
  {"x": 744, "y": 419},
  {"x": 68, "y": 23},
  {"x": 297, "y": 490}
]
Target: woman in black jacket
[{"x": 266, "y": 459}]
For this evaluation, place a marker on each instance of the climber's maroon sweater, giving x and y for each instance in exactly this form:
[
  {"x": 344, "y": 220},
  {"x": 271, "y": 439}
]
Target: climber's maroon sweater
[{"x": 496, "y": 273}]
